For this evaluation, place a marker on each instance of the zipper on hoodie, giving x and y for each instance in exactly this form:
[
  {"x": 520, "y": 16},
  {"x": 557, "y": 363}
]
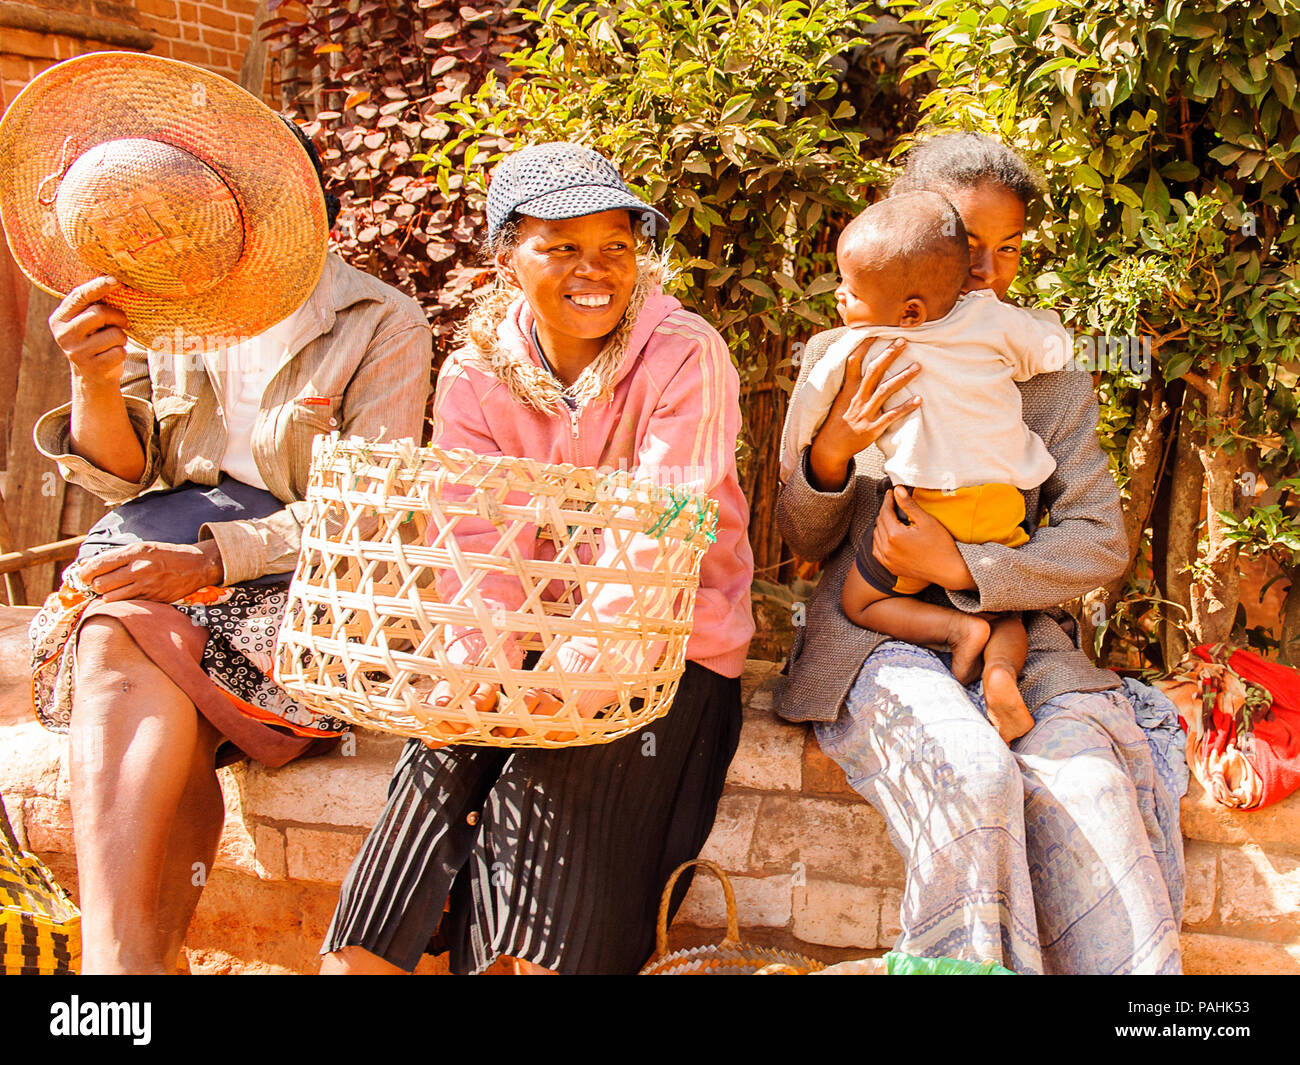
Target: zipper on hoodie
[{"x": 574, "y": 414}]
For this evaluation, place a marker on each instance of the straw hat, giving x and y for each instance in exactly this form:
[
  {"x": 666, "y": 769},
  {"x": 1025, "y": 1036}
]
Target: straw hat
[{"x": 177, "y": 182}]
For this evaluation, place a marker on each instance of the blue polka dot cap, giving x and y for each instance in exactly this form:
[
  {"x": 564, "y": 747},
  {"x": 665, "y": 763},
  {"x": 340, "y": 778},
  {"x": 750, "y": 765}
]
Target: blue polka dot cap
[{"x": 559, "y": 180}]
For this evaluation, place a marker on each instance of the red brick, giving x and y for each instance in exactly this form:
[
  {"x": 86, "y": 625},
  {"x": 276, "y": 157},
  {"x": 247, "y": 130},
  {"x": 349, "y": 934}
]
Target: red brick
[
  {"x": 216, "y": 18},
  {"x": 24, "y": 42},
  {"x": 191, "y": 53},
  {"x": 218, "y": 40},
  {"x": 163, "y": 9},
  {"x": 821, "y": 775},
  {"x": 324, "y": 857},
  {"x": 13, "y": 69},
  {"x": 49, "y": 825},
  {"x": 188, "y": 13}
]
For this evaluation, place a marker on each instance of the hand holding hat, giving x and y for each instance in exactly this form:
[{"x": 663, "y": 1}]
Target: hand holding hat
[
  {"x": 92, "y": 334},
  {"x": 176, "y": 182}
]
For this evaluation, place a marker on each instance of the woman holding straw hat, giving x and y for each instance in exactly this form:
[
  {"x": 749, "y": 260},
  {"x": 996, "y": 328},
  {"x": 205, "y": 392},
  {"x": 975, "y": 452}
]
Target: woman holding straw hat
[
  {"x": 209, "y": 339},
  {"x": 557, "y": 857}
]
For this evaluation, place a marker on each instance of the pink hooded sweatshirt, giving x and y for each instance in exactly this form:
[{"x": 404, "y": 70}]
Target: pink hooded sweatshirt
[{"x": 674, "y": 415}]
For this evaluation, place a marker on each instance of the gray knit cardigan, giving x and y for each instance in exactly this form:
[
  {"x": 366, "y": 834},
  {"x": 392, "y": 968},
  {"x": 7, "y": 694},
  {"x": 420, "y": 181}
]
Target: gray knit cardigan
[{"x": 1081, "y": 548}]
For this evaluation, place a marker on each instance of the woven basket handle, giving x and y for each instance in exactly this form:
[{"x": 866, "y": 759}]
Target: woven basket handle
[
  {"x": 6, "y": 830},
  {"x": 733, "y": 925}
]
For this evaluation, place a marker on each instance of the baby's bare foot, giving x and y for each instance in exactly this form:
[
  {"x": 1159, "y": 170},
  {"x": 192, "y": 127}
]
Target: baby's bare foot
[
  {"x": 967, "y": 635},
  {"x": 1006, "y": 709}
]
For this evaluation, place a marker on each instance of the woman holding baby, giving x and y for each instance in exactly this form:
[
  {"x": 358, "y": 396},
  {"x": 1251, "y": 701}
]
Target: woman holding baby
[{"x": 1029, "y": 821}]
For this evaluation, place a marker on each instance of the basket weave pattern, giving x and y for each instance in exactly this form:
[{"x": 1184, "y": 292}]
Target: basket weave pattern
[
  {"x": 40, "y": 927},
  {"x": 406, "y": 550},
  {"x": 260, "y": 255}
]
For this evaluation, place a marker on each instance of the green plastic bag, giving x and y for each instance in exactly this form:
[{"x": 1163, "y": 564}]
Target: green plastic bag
[{"x": 897, "y": 964}]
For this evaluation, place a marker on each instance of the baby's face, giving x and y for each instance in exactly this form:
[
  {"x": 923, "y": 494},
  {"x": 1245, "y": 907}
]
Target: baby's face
[{"x": 865, "y": 297}]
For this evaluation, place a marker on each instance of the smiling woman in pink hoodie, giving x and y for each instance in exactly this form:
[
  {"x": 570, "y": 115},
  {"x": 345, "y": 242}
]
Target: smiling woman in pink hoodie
[{"x": 557, "y": 857}]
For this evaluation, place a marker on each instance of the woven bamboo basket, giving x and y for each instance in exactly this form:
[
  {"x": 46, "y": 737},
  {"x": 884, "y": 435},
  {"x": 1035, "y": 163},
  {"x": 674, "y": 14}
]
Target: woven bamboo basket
[
  {"x": 400, "y": 548},
  {"x": 731, "y": 957},
  {"x": 40, "y": 926}
]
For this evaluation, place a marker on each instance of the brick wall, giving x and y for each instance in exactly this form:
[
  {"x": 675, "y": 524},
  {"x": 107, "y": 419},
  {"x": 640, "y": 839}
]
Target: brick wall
[{"x": 213, "y": 34}]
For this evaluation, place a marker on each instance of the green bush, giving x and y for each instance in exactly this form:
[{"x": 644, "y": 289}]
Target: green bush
[{"x": 1169, "y": 133}]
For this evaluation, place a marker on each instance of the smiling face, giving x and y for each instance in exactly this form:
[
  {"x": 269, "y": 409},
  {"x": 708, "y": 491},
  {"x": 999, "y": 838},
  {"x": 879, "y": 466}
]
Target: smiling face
[
  {"x": 994, "y": 217},
  {"x": 577, "y": 275}
]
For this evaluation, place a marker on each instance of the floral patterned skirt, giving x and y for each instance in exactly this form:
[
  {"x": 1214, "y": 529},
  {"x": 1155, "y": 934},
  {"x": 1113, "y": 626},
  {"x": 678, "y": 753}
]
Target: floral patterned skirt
[{"x": 217, "y": 644}]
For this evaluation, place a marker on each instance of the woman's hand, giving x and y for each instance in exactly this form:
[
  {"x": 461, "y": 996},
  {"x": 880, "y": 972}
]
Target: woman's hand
[
  {"x": 857, "y": 417},
  {"x": 162, "y": 573},
  {"x": 92, "y": 335},
  {"x": 541, "y": 702},
  {"x": 923, "y": 550},
  {"x": 484, "y": 698}
]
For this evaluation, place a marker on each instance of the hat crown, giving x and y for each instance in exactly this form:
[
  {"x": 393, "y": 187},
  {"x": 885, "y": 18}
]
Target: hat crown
[
  {"x": 152, "y": 215},
  {"x": 557, "y": 180},
  {"x": 544, "y": 168}
]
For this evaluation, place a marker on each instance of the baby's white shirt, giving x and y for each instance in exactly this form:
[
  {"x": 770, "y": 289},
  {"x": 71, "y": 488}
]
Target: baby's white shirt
[{"x": 969, "y": 429}]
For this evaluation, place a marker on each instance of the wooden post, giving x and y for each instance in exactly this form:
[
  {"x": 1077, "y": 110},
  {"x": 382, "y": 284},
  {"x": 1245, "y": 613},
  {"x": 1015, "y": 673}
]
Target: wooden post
[{"x": 36, "y": 490}]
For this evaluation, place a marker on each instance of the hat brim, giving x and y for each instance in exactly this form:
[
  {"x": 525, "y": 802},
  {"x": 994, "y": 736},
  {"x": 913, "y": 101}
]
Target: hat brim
[
  {"x": 582, "y": 200},
  {"x": 110, "y": 95}
]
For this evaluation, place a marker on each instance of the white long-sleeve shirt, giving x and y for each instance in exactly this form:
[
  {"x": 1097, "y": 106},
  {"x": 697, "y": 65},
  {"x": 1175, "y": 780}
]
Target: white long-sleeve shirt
[
  {"x": 969, "y": 429},
  {"x": 249, "y": 367}
]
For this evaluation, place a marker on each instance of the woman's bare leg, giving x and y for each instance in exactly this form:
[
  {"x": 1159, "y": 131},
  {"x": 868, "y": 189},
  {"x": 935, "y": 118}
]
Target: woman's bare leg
[
  {"x": 134, "y": 735},
  {"x": 192, "y": 845},
  {"x": 357, "y": 961}
]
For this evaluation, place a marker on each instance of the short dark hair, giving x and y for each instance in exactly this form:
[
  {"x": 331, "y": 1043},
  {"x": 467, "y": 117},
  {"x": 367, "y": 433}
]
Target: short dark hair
[
  {"x": 918, "y": 240},
  {"x": 964, "y": 161},
  {"x": 332, "y": 204}
]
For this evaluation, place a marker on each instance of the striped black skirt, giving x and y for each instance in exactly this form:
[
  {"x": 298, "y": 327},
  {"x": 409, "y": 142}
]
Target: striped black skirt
[{"x": 557, "y": 857}]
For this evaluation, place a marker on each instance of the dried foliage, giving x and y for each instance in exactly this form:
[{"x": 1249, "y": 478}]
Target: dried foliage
[{"x": 372, "y": 80}]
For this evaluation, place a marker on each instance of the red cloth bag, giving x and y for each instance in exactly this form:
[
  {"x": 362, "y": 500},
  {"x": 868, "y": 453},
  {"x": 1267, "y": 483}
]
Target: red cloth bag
[{"x": 1275, "y": 752}]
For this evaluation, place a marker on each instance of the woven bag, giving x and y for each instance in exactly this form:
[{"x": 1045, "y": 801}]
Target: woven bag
[
  {"x": 400, "y": 544},
  {"x": 40, "y": 926},
  {"x": 731, "y": 957}
]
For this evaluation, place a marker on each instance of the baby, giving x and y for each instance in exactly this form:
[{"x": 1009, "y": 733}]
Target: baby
[{"x": 965, "y": 453}]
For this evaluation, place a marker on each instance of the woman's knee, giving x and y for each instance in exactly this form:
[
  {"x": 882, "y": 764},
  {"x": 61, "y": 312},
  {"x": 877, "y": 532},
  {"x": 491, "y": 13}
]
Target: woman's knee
[
  {"x": 934, "y": 726},
  {"x": 104, "y": 649},
  {"x": 115, "y": 680},
  {"x": 987, "y": 780}
]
